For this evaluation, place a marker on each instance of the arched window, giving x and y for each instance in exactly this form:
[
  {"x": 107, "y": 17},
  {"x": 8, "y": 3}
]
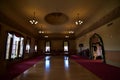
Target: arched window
[
  {"x": 14, "y": 46},
  {"x": 66, "y": 46},
  {"x": 28, "y": 45},
  {"x": 36, "y": 47},
  {"x": 47, "y": 46}
]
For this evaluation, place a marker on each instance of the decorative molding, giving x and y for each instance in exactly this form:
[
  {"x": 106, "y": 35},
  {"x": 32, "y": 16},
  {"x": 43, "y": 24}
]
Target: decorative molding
[
  {"x": 107, "y": 18},
  {"x": 56, "y": 18}
]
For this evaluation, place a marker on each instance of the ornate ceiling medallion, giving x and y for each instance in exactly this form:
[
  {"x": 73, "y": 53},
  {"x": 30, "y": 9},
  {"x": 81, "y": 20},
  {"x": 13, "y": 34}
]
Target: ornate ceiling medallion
[{"x": 56, "y": 18}]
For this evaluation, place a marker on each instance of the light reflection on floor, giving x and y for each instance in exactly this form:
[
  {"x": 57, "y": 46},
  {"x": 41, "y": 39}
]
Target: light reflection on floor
[
  {"x": 66, "y": 62},
  {"x": 57, "y": 68},
  {"x": 47, "y": 63}
]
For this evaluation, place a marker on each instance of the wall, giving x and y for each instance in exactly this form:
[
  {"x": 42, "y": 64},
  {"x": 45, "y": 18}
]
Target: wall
[
  {"x": 57, "y": 45},
  {"x": 111, "y": 39},
  {"x": 41, "y": 46},
  {"x": 4, "y": 29},
  {"x": 83, "y": 40},
  {"x": 113, "y": 57},
  {"x": 103, "y": 10},
  {"x": 72, "y": 47}
]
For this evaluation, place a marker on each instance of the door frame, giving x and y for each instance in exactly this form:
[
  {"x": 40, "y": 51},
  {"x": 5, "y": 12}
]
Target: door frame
[{"x": 98, "y": 41}]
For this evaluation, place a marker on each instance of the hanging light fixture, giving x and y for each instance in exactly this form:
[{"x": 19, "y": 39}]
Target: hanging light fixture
[
  {"x": 71, "y": 32},
  {"x": 33, "y": 21},
  {"x": 66, "y": 36},
  {"x": 41, "y": 31},
  {"x": 46, "y": 36},
  {"x": 78, "y": 21}
]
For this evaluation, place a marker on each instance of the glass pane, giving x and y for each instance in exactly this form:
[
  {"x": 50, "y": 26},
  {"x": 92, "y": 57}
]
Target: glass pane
[
  {"x": 8, "y": 45},
  {"x": 15, "y": 47},
  {"x": 47, "y": 48},
  {"x": 28, "y": 46},
  {"x": 35, "y": 48},
  {"x": 21, "y": 47},
  {"x": 65, "y": 46},
  {"x": 17, "y": 42}
]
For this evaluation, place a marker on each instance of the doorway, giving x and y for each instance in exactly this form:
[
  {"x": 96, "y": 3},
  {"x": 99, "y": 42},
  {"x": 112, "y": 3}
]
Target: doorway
[
  {"x": 47, "y": 47},
  {"x": 66, "y": 47},
  {"x": 97, "y": 48}
]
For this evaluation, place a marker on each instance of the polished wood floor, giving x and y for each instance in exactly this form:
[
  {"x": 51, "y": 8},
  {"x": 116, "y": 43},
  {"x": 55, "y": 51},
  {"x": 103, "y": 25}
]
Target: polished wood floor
[{"x": 57, "y": 68}]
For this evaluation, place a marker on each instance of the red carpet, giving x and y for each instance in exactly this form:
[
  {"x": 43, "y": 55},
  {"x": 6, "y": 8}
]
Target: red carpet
[
  {"x": 102, "y": 70},
  {"x": 17, "y": 68}
]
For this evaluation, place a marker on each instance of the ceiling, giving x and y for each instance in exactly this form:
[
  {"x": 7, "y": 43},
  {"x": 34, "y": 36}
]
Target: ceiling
[{"x": 18, "y": 13}]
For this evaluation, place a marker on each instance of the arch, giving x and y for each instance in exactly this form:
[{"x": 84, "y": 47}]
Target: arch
[{"x": 96, "y": 47}]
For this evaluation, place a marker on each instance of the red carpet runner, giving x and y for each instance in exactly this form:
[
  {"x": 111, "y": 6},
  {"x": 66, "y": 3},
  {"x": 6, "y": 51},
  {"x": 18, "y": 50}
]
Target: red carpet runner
[
  {"x": 102, "y": 70},
  {"x": 15, "y": 69}
]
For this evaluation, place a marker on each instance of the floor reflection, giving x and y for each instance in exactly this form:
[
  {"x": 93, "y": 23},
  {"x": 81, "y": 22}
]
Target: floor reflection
[
  {"x": 47, "y": 63},
  {"x": 57, "y": 68},
  {"x": 66, "y": 62}
]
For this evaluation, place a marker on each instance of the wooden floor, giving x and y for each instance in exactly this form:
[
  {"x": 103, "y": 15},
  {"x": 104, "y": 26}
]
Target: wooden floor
[{"x": 57, "y": 68}]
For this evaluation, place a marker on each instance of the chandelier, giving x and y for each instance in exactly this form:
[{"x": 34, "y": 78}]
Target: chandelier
[
  {"x": 78, "y": 21},
  {"x": 41, "y": 30},
  {"x": 71, "y": 32},
  {"x": 33, "y": 21}
]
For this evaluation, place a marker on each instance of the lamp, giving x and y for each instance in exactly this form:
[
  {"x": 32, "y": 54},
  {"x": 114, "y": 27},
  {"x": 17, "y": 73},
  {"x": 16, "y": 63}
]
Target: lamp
[
  {"x": 33, "y": 21},
  {"x": 78, "y": 21}
]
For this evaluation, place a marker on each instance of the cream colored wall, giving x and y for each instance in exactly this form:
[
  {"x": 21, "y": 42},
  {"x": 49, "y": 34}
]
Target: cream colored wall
[
  {"x": 57, "y": 45},
  {"x": 110, "y": 35},
  {"x": 72, "y": 46},
  {"x": 113, "y": 58},
  {"x": 32, "y": 44},
  {"x": 82, "y": 40},
  {"x": 101, "y": 12},
  {"x": 41, "y": 46},
  {"x": 111, "y": 39}
]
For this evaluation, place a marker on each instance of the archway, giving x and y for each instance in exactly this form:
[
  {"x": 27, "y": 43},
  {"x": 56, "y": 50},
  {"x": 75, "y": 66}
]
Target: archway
[{"x": 97, "y": 47}]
